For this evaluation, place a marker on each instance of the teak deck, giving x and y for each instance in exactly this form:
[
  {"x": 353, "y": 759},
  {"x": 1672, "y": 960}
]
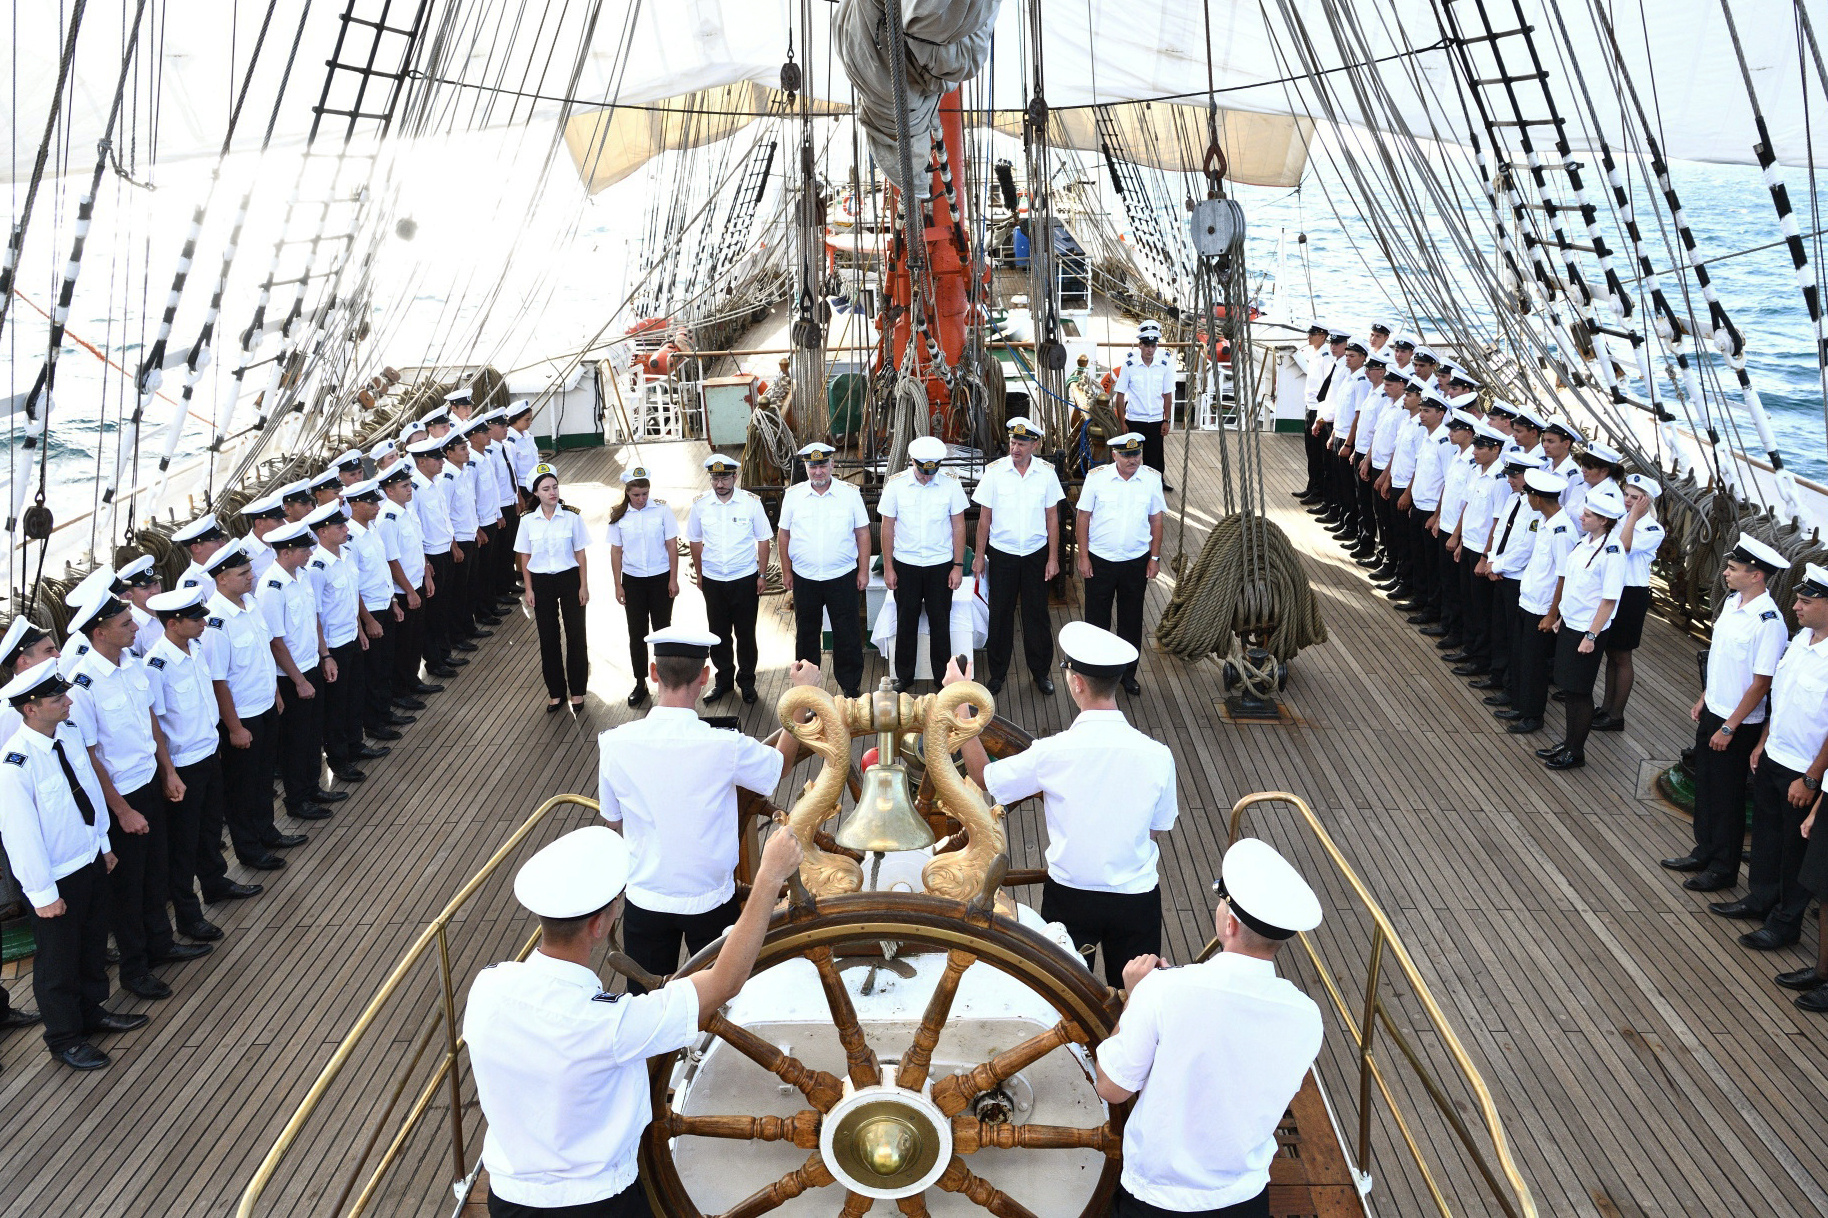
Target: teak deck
[{"x": 1643, "y": 1063}]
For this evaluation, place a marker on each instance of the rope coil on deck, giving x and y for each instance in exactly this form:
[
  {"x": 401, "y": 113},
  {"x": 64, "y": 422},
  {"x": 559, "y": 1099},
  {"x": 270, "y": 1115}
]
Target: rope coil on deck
[{"x": 1214, "y": 601}]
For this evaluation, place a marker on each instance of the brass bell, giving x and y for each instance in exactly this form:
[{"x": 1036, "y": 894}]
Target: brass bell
[{"x": 884, "y": 819}]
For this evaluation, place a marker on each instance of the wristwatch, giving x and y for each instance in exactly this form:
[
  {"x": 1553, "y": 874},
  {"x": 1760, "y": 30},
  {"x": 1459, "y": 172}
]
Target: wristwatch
[
  {"x": 1726, "y": 729},
  {"x": 1591, "y": 636},
  {"x": 1811, "y": 784}
]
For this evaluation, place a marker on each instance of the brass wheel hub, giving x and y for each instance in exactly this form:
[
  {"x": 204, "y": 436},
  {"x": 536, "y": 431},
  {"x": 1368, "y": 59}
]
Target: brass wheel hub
[{"x": 886, "y": 1142}]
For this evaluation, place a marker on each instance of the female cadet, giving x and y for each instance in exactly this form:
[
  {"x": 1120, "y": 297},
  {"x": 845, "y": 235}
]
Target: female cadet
[
  {"x": 1599, "y": 466},
  {"x": 1592, "y": 581},
  {"x": 550, "y": 544},
  {"x": 644, "y": 562},
  {"x": 1640, "y": 535}
]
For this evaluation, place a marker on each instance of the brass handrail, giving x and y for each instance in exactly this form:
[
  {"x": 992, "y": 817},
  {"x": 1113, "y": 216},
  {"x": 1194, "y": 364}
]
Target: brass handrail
[
  {"x": 1517, "y": 1202},
  {"x": 434, "y": 935}
]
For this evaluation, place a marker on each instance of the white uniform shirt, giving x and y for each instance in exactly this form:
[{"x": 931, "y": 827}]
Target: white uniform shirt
[
  {"x": 1514, "y": 537},
  {"x": 1749, "y": 639},
  {"x": 1392, "y": 419},
  {"x": 552, "y": 543},
  {"x": 483, "y": 487},
  {"x": 1410, "y": 436},
  {"x": 111, "y": 706},
  {"x": 289, "y": 605},
  {"x": 1351, "y": 397},
  {"x": 1593, "y": 571},
  {"x": 184, "y": 700},
  {"x": 260, "y": 554},
  {"x": 1019, "y": 504},
  {"x": 431, "y": 503},
  {"x": 369, "y": 546},
  {"x": 670, "y": 780},
  {"x": 460, "y": 500},
  {"x": 1484, "y": 494},
  {"x": 195, "y": 575},
  {"x": 523, "y": 453},
  {"x": 150, "y": 631},
  {"x": 1121, "y": 509},
  {"x": 1799, "y": 704},
  {"x": 40, "y": 824},
  {"x": 236, "y": 646},
  {"x": 923, "y": 516},
  {"x": 646, "y": 536},
  {"x": 1105, "y": 788},
  {"x": 1458, "y": 469},
  {"x": 337, "y": 584},
  {"x": 1143, "y": 385},
  {"x": 506, "y": 497},
  {"x": 1576, "y": 490},
  {"x": 1371, "y": 410},
  {"x": 1646, "y": 537},
  {"x": 561, "y": 1074},
  {"x": 822, "y": 539},
  {"x": 1320, "y": 362},
  {"x": 1555, "y": 536},
  {"x": 1432, "y": 454},
  {"x": 728, "y": 530},
  {"x": 399, "y": 527},
  {"x": 1235, "y": 1041}
]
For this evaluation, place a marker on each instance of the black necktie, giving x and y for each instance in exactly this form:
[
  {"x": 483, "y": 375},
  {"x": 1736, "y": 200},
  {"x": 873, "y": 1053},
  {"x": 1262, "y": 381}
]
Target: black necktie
[
  {"x": 1507, "y": 527},
  {"x": 76, "y": 788},
  {"x": 1321, "y": 393}
]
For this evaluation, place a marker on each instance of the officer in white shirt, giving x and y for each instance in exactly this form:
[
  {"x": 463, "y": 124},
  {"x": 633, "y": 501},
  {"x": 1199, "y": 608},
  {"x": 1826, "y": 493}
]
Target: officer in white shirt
[
  {"x": 336, "y": 581},
  {"x": 1749, "y": 639},
  {"x": 1507, "y": 553},
  {"x": 1457, "y": 468},
  {"x": 1234, "y": 1041},
  {"x": 1533, "y": 647},
  {"x": 460, "y": 502},
  {"x": 54, "y": 826},
  {"x": 200, "y": 538},
  {"x": 377, "y": 553},
  {"x": 398, "y": 522},
  {"x": 1318, "y": 361},
  {"x": 729, "y": 535},
  {"x": 431, "y": 507},
  {"x": 1485, "y": 488},
  {"x": 1108, "y": 793},
  {"x": 668, "y": 782},
  {"x": 643, "y": 566},
  {"x": 289, "y": 603},
  {"x": 561, "y": 1066},
  {"x": 1420, "y": 500},
  {"x": 262, "y": 515},
  {"x": 1119, "y": 525},
  {"x": 825, "y": 565},
  {"x": 1326, "y": 385},
  {"x": 1787, "y": 769},
  {"x": 486, "y": 579},
  {"x": 139, "y": 581},
  {"x": 1143, "y": 395},
  {"x": 1592, "y": 578},
  {"x": 184, "y": 701},
  {"x": 923, "y": 554},
  {"x": 554, "y": 569},
  {"x": 238, "y": 647},
  {"x": 1018, "y": 548}
]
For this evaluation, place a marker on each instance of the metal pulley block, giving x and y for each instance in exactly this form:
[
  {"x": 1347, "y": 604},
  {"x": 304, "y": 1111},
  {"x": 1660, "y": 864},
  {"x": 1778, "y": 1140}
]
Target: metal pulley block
[
  {"x": 1052, "y": 354},
  {"x": 807, "y": 334},
  {"x": 1218, "y": 227}
]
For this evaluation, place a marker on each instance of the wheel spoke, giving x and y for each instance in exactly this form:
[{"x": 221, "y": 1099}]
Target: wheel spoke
[
  {"x": 919, "y": 1059},
  {"x": 970, "y": 1136},
  {"x": 913, "y": 1207},
  {"x": 822, "y": 1090},
  {"x": 802, "y": 1128},
  {"x": 858, "y": 1056},
  {"x": 811, "y": 1174},
  {"x": 952, "y": 1094},
  {"x": 958, "y": 1179},
  {"x": 856, "y": 1205}
]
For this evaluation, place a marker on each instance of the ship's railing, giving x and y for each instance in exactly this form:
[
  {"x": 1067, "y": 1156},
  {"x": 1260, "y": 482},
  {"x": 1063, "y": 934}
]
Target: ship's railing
[
  {"x": 1365, "y": 1007},
  {"x": 434, "y": 944}
]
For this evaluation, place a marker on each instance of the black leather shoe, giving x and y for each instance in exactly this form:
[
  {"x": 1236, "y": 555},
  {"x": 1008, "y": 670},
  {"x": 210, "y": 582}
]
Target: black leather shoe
[
  {"x": 83, "y": 1056},
  {"x": 638, "y": 695},
  {"x": 372, "y": 752},
  {"x": 1423, "y": 618},
  {"x": 1434, "y": 630},
  {"x": 181, "y": 953},
  {"x": 1688, "y": 862},
  {"x": 488, "y": 619},
  {"x": 441, "y": 669},
  {"x": 1507, "y": 713},
  {"x": 464, "y": 646},
  {"x": 853, "y": 691},
  {"x": 994, "y": 685},
  {"x": 235, "y": 892},
  {"x": 113, "y": 1022},
  {"x": 1498, "y": 699},
  {"x": 1764, "y": 939},
  {"x": 717, "y": 693},
  {"x": 265, "y": 862},
  {"x": 19, "y": 1017},
  {"x": 146, "y": 987},
  {"x": 311, "y": 812},
  {"x": 1566, "y": 760},
  {"x": 1045, "y": 684},
  {"x": 749, "y": 696},
  {"x": 321, "y": 796},
  {"x": 1801, "y": 979},
  {"x": 1562, "y": 695},
  {"x": 349, "y": 774},
  {"x": 1472, "y": 668},
  {"x": 286, "y": 841},
  {"x": 202, "y": 930},
  {"x": 426, "y": 687},
  {"x": 384, "y": 733},
  {"x": 456, "y": 661},
  {"x": 1815, "y": 1000},
  {"x": 1132, "y": 686},
  {"x": 1489, "y": 682},
  {"x": 1710, "y": 881},
  {"x": 412, "y": 704},
  {"x": 1525, "y": 727},
  {"x": 1602, "y": 722},
  {"x": 1447, "y": 642},
  {"x": 1741, "y": 909},
  {"x": 1549, "y": 752}
]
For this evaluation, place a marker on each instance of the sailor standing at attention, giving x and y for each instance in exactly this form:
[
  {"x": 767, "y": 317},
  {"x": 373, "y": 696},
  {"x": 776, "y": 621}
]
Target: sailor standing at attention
[
  {"x": 262, "y": 515},
  {"x": 550, "y": 542},
  {"x": 643, "y": 567},
  {"x": 289, "y": 605},
  {"x": 1318, "y": 360},
  {"x": 923, "y": 555},
  {"x": 437, "y": 542},
  {"x": 1109, "y": 793},
  {"x": 346, "y": 624},
  {"x": 1234, "y": 1041},
  {"x": 398, "y": 524},
  {"x": 1143, "y": 395},
  {"x": 1018, "y": 546},
  {"x": 1119, "y": 525},
  {"x": 729, "y": 534},
  {"x": 377, "y": 554},
  {"x": 200, "y": 538},
  {"x": 54, "y": 825},
  {"x": 825, "y": 565},
  {"x": 668, "y": 783},
  {"x": 561, "y": 1066}
]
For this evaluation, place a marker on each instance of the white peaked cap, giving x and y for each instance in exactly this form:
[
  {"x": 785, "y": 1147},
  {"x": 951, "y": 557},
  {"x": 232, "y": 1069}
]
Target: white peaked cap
[
  {"x": 926, "y": 448},
  {"x": 815, "y": 448},
  {"x": 27, "y": 683},
  {"x": 91, "y": 609},
  {"x": 425, "y": 448},
  {"x": 1545, "y": 482},
  {"x": 1762, "y": 552},
  {"x": 1601, "y": 452},
  {"x": 1647, "y": 484},
  {"x": 1604, "y": 500},
  {"x": 100, "y": 579},
  {"x": 182, "y": 598},
  {"x": 636, "y": 473},
  {"x": 330, "y": 513},
  {"x": 718, "y": 463},
  {"x": 221, "y": 558},
  {"x": 1522, "y": 459},
  {"x": 134, "y": 569},
  {"x": 576, "y": 875},
  {"x": 682, "y": 641},
  {"x": 1267, "y": 893},
  {"x": 1814, "y": 583},
  {"x": 202, "y": 526},
  {"x": 352, "y": 457},
  {"x": 1022, "y": 427},
  {"x": 1095, "y": 651}
]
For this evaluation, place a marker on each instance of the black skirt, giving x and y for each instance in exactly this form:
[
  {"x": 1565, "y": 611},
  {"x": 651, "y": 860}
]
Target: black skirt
[
  {"x": 1627, "y": 629},
  {"x": 1814, "y": 873},
  {"x": 1575, "y": 671}
]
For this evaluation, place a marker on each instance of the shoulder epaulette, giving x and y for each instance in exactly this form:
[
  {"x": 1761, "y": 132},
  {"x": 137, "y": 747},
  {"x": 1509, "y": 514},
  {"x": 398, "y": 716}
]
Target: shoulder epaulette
[
  {"x": 84, "y": 679},
  {"x": 657, "y": 502},
  {"x": 190, "y": 581},
  {"x": 606, "y": 997},
  {"x": 1767, "y": 615},
  {"x": 318, "y": 563},
  {"x": 1612, "y": 549},
  {"x": 15, "y": 759},
  {"x": 215, "y": 621},
  {"x": 1560, "y": 528},
  {"x": 273, "y": 583},
  {"x": 1534, "y": 524},
  {"x": 155, "y": 661}
]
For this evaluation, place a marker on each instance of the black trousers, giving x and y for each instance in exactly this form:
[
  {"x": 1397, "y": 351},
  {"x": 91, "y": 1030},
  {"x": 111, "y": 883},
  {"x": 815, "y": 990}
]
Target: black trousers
[
  {"x": 1315, "y": 447},
  {"x": 437, "y": 634},
  {"x": 1505, "y": 615},
  {"x": 1339, "y": 480},
  {"x": 507, "y": 573},
  {"x": 1778, "y": 846},
  {"x": 1154, "y": 454},
  {"x": 1425, "y": 560},
  {"x": 1478, "y": 593},
  {"x": 1532, "y": 662},
  {"x": 1453, "y": 598},
  {"x": 564, "y": 663},
  {"x": 378, "y": 671},
  {"x": 730, "y": 608},
  {"x": 247, "y": 784},
  {"x": 409, "y": 646},
  {"x": 483, "y": 589},
  {"x": 196, "y": 839},
  {"x": 631, "y": 1202},
  {"x": 647, "y": 608},
  {"x": 139, "y": 886},
  {"x": 918, "y": 589},
  {"x": 343, "y": 704},
  {"x": 1126, "y": 1206},
  {"x": 1388, "y": 536},
  {"x": 1720, "y": 784},
  {"x": 1125, "y": 924},
  {"x": 301, "y": 739},
  {"x": 811, "y": 599},
  {"x": 70, "y": 970},
  {"x": 1368, "y": 530},
  {"x": 1124, "y": 582},
  {"x": 464, "y": 577},
  {"x": 652, "y": 939},
  {"x": 1018, "y": 578}
]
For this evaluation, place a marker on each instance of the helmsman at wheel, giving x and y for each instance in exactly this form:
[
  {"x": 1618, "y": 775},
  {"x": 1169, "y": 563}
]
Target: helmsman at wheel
[{"x": 1120, "y": 542}]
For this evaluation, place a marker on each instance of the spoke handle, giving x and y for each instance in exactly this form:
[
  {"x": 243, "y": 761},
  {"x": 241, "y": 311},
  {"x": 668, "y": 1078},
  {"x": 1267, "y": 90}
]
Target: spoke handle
[{"x": 954, "y": 1093}]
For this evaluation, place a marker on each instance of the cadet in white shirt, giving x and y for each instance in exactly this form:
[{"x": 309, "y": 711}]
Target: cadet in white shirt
[
  {"x": 139, "y": 581},
  {"x": 561, "y": 1066},
  {"x": 337, "y": 583},
  {"x": 1373, "y": 404},
  {"x": 551, "y": 541},
  {"x": 24, "y": 647},
  {"x": 466, "y": 565},
  {"x": 1533, "y": 647},
  {"x": 200, "y": 538},
  {"x": 825, "y": 565},
  {"x": 54, "y": 826},
  {"x": 1507, "y": 553},
  {"x": 523, "y": 449},
  {"x": 398, "y": 523},
  {"x": 289, "y": 603},
  {"x": 729, "y": 534},
  {"x": 1018, "y": 547},
  {"x": 1234, "y": 1041},
  {"x": 1748, "y": 641},
  {"x": 923, "y": 554},
  {"x": 1457, "y": 469},
  {"x": 644, "y": 567},
  {"x": 1787, "y": 769},
  {"x": 668, "y": 782},
  {"x": 297, "y": 499},
  {"x": 1592, "y": 578},
  {"x": 1599, "y": 466},
  {"x": 184, "y": 700},
  {"x": 1395, "y": 421},
  {"x": 377, "y": 555},
  {"x": 1419, "y": 501},
  {"x": 1108, "y": 792},
  {"x": 1143, "y": 395},
  {"x": 1640, "y": 536},
  {"x": 1318, "y": 361},
  {"x": 1350, "y": 389},
  {"x": 487, "y": 588},
  {"x": 263, "y": 515},
  {"x": 1485, "y": 488},
  {"x": 431, "y": 507},
  {"x": 238, "y": 647},
  {"x": 1119, "y": 526},
  {"x": 507, "y": 500},
  {"x": 1558, "y": 441}
]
